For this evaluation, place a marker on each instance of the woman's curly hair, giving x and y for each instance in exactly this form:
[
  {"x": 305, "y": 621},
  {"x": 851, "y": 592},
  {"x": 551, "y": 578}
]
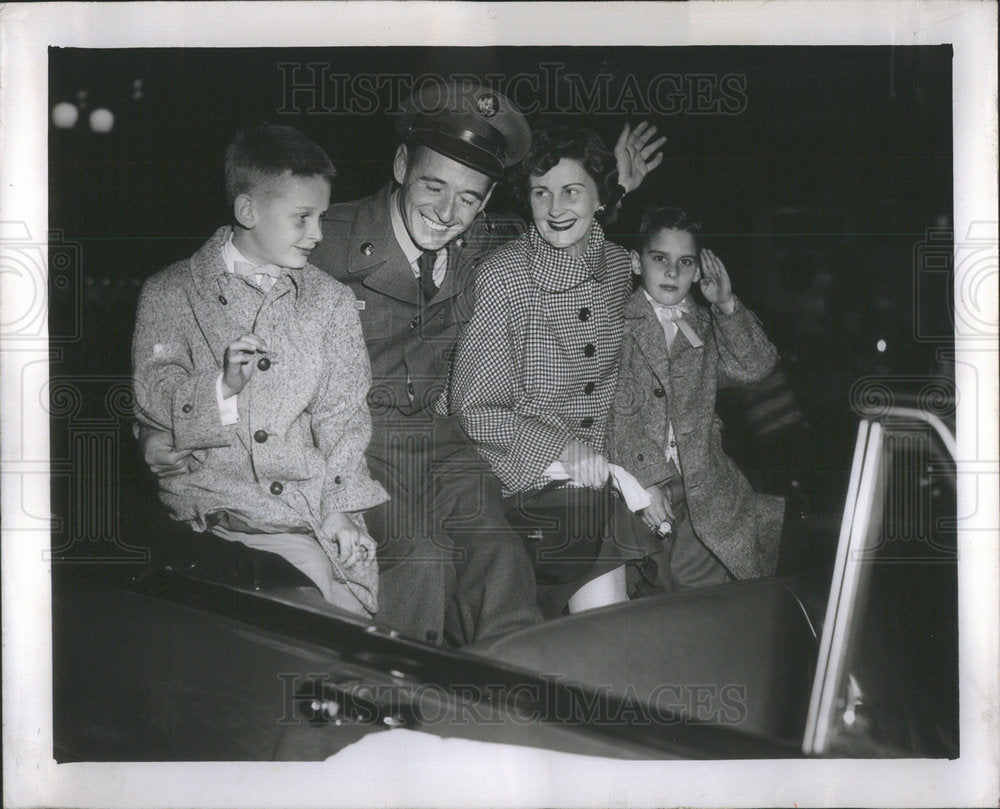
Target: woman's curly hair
[{"x": 554, "y": 142}]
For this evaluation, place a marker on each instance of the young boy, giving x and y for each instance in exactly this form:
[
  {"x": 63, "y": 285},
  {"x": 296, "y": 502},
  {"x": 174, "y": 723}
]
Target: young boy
[
  {"x": 664, "y": 429},
  {"x": 253, "y": 363}
]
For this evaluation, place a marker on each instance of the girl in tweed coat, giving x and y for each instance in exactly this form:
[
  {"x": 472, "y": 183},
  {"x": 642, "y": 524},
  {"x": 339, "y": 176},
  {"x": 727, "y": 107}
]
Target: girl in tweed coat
[
  {"x": 535, "y": 371},
  {"x": 664, "y": 429}
]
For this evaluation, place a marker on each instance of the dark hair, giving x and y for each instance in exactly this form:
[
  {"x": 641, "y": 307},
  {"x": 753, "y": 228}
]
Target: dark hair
[
  {"x": 258, "y": 156},
  {"x": 554, "y": 142},
  {"x": 666, "y": 218}
]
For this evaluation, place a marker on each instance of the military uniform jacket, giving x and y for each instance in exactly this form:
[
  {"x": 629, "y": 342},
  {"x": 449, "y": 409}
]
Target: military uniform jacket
[
  {"x": 297, "y": 452},
  {"x": 537, "y": 365},
  {"x": 741, "y": 527},
  {"x": 410, "y": 342}
]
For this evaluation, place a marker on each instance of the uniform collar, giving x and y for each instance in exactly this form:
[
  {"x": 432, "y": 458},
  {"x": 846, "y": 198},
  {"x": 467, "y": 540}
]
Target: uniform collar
[{"x": 554, "y": 270}]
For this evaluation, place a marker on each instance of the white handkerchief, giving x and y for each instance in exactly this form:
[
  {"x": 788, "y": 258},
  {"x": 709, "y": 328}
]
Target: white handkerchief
[{"x": 631, "y": 489}]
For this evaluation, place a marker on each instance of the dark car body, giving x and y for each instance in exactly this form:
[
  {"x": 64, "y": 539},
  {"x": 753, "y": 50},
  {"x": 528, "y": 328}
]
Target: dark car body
[{"x": 206, "y": 661}]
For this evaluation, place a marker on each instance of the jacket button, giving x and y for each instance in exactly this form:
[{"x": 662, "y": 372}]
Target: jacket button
[
  {"x": 658, "y": 393},
  {"x": 587, "y": 423},
  {"x": 589, "y": 388},
  {"x": 222, "y": 300},
  {"x": 277, "y": 488},
  {"x": 415, "y": 322},
  {"x": 260, "y": 436},
  {"x": 588, "y": 350},
  {"x": 337, "y": 480},
  {"x": 584, "y": 314},
  {"x": 640, "y": 457},
  {"x": 263, "y": 363},
  {"x": 367, "y": 248},
  {"x": 186, "y": 408}
]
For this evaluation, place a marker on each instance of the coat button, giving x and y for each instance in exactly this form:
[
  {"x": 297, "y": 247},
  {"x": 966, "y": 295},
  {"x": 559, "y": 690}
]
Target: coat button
[
  {"x": 186, "y": 408},
  {"x": 337, "y": 480},
  {"x": 589, "y": 388},
  {"x": 222, "y": 300},
  {"x": 584, "y": 314},
  {"x": 640, "y": 457},
  {"x": 415, "y": 322},
  {"x": 277, "y": 488},
  {"x": 587, "y": 422},
  {"x": 658, "y": 393},
  {"x": 260, "y": 436},
  {"x": 263, "y": 363},
  {"x": 588, "y": 350},
  {"x": 367, "y": 249}
]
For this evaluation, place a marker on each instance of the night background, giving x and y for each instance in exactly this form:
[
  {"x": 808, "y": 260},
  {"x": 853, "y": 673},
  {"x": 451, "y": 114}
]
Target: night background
[{"x": 823, "y": 177}]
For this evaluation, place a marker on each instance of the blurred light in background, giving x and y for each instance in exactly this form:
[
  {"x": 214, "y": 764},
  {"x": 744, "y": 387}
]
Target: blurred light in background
[
  {"x": 101, "y": 120},
  {"x": 65, "y": 115},
  {"x": 880, "y": 346}
]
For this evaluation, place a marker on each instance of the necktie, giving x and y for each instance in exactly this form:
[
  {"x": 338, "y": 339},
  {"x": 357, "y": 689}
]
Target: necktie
[
  {"x": 426, "y": 264},
  {"x": 672, "y": 319}
]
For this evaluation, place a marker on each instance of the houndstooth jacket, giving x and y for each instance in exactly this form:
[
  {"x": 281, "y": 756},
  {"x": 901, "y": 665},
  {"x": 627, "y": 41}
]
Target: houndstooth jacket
[{"x": 537, "y": 364}]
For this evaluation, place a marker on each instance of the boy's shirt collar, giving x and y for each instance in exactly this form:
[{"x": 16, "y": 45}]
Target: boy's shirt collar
[{"x": 231, "y": 254}]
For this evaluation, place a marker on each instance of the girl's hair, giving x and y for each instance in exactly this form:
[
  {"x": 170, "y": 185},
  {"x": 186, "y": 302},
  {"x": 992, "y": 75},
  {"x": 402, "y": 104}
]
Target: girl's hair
[
  {"x": 666, "y": 218},
  {"x": 553, "y": 142}
]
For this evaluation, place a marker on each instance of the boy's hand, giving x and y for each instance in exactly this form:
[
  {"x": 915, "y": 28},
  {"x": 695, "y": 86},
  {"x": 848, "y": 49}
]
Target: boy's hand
[
  {"x": 584, "y": 464},
  {"x": 715, "y": 282},
  {"x": 633, "y": 152},
  {"x": 237, "y": 363},
  {"x": 159, "y": 454},
  {"x": 658, "y": 510},
  {"x": 353, "y": 543}
]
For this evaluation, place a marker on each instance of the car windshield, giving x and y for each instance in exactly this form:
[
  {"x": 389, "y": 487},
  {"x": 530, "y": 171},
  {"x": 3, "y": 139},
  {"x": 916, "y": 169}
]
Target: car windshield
[{"x": 887, "y": 681}]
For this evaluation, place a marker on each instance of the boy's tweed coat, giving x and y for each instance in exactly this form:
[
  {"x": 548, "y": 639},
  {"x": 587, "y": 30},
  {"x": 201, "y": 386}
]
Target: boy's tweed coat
[
  {"x": 297, "y": 452},
  {"x": 740, "y": 527},
  {"x": 537, "y": 365},
  {"x": 451, "y": 565}
]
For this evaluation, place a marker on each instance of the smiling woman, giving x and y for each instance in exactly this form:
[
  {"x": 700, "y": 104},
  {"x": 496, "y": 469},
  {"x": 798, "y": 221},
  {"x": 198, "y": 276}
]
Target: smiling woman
[{"x": 536, "y": 370}]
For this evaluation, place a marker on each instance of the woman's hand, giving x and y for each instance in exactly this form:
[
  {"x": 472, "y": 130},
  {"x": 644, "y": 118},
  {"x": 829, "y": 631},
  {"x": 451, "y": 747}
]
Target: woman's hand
[
  {"x": 715, "y": 282},
  {"x": 658, "y": 511},
  {"x": 633, "y": 153},
  {"x": 353, "y": 543},
  {"x": 584, "y": 464}
]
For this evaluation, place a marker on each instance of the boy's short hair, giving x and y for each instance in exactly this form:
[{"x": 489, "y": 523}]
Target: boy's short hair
[
  {"x": 258, "y": 156},
  {"x": 664, "y": 217},
  {"x": 551, "y": 143}
]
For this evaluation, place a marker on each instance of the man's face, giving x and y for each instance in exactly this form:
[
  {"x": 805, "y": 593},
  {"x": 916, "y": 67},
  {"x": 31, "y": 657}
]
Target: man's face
[{"x": 439, "y": 198}]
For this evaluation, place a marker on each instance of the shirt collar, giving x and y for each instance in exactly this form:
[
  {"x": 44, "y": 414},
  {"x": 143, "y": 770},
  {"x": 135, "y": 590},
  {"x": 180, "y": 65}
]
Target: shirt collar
[
  {"x": 410, "y": 250},
  {"x": 686, "y": 305},
  {"x": 231, "y": 254}
]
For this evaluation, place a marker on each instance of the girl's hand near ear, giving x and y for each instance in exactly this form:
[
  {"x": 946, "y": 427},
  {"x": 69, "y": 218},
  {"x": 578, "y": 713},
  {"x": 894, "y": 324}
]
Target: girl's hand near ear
[{"x": 715, "y": 282}]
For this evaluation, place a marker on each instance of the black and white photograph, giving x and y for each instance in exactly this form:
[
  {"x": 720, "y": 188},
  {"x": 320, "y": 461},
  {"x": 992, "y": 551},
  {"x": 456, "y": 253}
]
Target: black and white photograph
[{"x": 455, "y": 404}]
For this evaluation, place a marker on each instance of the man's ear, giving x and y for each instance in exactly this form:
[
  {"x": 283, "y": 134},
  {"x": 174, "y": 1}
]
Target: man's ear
[
  {"x": 243, "y": 211},
  {"x": 399, "y": 163},
  {"x": 636, "y": 262}
]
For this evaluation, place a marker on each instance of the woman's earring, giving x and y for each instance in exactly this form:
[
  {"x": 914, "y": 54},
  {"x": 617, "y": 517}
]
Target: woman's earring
[{"x": 600, "y": 208}]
